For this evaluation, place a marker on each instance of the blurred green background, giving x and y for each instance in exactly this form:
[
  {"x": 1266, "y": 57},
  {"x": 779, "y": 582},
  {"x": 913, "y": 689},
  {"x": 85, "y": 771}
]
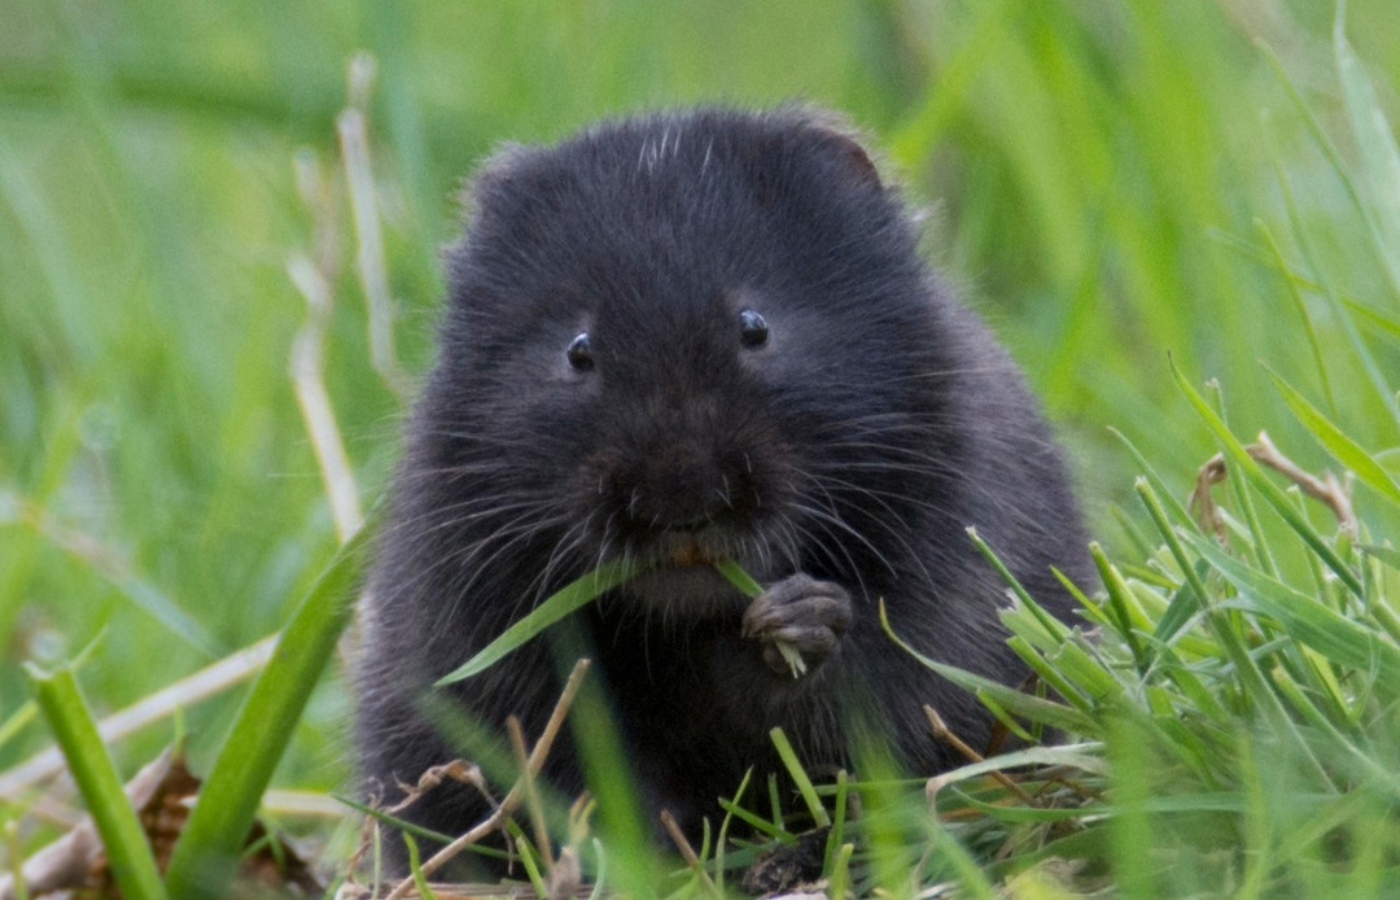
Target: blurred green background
[{"x": 1100, "y": 178}]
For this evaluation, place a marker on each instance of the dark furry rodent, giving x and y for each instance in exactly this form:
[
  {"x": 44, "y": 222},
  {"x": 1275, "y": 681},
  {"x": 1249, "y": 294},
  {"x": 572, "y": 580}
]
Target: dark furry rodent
[{"x": 605, "y": 389}]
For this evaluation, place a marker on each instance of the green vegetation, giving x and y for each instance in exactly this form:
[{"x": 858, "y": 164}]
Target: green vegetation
[{"x": 1109, "y": 183}]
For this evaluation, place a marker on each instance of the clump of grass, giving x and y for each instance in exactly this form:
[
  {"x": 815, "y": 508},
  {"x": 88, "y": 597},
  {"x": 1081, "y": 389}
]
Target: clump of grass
[{"x": 1240, "y": 695}]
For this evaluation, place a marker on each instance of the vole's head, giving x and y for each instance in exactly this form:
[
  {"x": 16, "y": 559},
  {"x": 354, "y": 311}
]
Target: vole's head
[{"x": 689, "y": 337}]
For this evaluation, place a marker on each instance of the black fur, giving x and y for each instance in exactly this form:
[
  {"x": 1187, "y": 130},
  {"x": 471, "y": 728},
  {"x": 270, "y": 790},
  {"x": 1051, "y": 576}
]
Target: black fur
[{"x": 877, "y": 421}]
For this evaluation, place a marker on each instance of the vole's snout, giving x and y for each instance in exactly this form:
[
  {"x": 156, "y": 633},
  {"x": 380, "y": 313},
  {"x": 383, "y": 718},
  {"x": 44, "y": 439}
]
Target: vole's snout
[
  {"x": 683, "y": 495},
  {"x": 682, "y": 487}
]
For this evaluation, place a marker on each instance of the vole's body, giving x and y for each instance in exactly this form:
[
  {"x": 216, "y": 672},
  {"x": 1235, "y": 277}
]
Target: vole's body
[{"x": 837, "y": 445}]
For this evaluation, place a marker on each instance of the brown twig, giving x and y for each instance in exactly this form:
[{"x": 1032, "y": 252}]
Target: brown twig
[
  {"x": 513, "y": 798},
  {"x": 1326, "y": 488},
  {"x": 533, "y": 807},
  {"x": 1202, "y": 503},
  {"x": 942, "y": 732},
  {"x": 457, "y": 770},
  {"x": 369, "y": 832},
  {"x": 688, "y": 853}
]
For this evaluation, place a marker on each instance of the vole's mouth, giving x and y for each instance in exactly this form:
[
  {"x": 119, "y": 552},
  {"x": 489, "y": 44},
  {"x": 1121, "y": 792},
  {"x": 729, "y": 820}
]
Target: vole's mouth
[
  {"x": 690, "y": 551},
  {"x": 685, "y": 545},
  {"x": 683, "y": 548},
  {"x": 678, "y": 570}
]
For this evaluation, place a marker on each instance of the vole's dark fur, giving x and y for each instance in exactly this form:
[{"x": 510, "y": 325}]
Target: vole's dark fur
[{"x": 854, "y": 445}]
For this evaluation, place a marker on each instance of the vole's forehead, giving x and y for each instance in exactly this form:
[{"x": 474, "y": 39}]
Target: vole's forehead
[
  {"x": 645, "y": 193},
  {"x": 652, "y": 260},
  {"x": 654, "y": 311}
]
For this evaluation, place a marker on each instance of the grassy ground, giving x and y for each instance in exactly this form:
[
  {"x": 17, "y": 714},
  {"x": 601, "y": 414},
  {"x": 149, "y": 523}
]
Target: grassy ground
[{"x": 1110, "y": 184}]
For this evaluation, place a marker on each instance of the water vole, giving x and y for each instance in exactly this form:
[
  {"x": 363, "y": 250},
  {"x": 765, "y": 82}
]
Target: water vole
[{"x": 682, "y": 338}]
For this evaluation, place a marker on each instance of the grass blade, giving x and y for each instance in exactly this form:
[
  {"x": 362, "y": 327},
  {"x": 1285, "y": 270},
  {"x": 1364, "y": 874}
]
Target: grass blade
[
  {"x": 736, "y": 576},
  {"x": 574, "y": 595},
  {"x": 1330, "y": 633},
  {"x": 1054, "y": 714},
  {"x": 1330, "y": 291},
  {"x": 800, "y": 778},
  {"x": 1319, "y": 358},
  {"x": 204, "y": 857},
  {"x": 1379, "y": 156},
  {"x": 415, "y": 865},
  {"x": 1336, "y": 442},
  {"x": 125, "y": 842}
]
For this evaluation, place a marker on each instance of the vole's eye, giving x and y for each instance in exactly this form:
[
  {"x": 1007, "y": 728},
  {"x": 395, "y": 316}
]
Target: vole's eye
[
  {"x": 580, "y": 353},
  {"x": 753, "y": 330}
]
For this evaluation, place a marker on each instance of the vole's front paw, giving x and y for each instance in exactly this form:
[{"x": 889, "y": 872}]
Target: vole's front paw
[{"x": 799, "y": 620}]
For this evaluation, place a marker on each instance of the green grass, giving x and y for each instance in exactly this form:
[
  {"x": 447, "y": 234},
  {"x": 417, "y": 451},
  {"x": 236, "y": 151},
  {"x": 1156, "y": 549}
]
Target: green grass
[{"x": 1109, "y": 183}]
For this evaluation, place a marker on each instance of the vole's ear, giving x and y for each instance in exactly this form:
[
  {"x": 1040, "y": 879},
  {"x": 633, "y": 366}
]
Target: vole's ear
[
  {"x": 840, "y": 142},
  {"x": 503, "y": 205},
  {"x": 494, "y": 173},
  {"x": 857, "y": 162}
]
